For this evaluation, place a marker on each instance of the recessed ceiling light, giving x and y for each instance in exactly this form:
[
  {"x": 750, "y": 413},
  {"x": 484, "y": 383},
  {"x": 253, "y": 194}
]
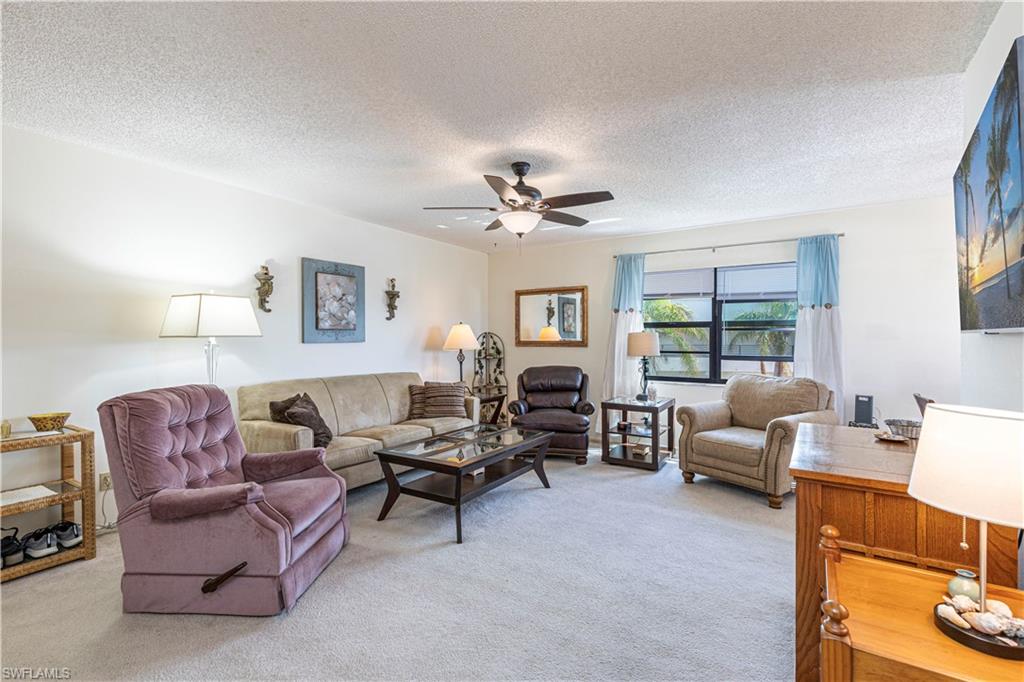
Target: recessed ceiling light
[
  {"x": 462, "y": 217},
  {"x": 443, "y": 227}
]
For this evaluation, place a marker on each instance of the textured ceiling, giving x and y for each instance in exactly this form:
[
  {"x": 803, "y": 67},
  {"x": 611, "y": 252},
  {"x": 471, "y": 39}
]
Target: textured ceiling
[{"x": 689, "y": 113}]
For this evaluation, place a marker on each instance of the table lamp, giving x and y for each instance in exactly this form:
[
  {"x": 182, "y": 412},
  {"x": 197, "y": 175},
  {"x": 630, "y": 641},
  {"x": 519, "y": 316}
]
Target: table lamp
[
  {"x": 461, "y": 338},
  {"x": 209, "y": 315},
  {"x": 643, "y": 345},
  {"x": 970, "y": 462},
  {"x": 549, "y": 333}
]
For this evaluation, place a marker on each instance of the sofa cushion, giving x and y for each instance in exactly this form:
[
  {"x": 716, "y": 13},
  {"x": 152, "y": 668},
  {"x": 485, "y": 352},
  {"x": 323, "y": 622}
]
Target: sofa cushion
[
  {"x": 254, "y": 401},
  {"x": 551, "y": 378},
  {"x": 302, "y": 502},
  {"x": 300, "y": 410},
  {"x": 735, "y": 444},
  {"x": 553, "y": 420},
  {"x": 543, "y": 399},
  {"x": 393, "y": 434},
  {"x": 359, "y": 401},
  {"x": 417, "y": 401},
  {"x": 444, "y": 400},
  {"x": 756, "y": 400},
  {"x": 441, "y": 424},
  {"x": 346, "y": 451},
  {"x": 396, "y": 392}
]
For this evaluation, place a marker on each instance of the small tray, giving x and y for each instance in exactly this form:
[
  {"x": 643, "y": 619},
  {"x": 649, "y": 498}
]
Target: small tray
[
  {"x": 979, "y": 641},
  {"x": 891, "y": 437}
]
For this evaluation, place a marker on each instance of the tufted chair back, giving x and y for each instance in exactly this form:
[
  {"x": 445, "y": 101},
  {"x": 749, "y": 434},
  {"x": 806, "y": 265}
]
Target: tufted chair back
[
  {"x": 553, "y": 386},
  {"x": 180, "y": 437}
]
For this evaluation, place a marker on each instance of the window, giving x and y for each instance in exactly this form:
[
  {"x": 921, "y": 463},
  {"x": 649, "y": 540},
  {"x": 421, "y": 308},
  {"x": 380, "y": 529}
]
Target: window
[{"x": 713, "y": 323}]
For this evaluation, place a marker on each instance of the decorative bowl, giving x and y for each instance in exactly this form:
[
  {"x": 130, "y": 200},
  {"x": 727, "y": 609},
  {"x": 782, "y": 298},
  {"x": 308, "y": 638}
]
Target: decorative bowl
[
  {"x": 890, "y": 437},
  {"x": 905, "y": 427},
  {"x": 49, "y": 421}
]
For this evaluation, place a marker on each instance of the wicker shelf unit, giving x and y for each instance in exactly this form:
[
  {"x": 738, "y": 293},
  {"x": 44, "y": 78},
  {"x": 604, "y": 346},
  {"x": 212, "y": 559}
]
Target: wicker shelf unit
[{"x": 66, "y": 492}]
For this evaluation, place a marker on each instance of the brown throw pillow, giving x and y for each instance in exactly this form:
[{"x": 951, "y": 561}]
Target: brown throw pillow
[
  {"x": 300, "y": 410},
  {"x": 444, "y": 400},
  {"x": 279, "y": 407},
  {"x": 417, "y": 401}
]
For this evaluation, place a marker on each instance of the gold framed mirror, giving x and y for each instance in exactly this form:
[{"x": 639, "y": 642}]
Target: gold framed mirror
[{"x": 552, "y": 317}]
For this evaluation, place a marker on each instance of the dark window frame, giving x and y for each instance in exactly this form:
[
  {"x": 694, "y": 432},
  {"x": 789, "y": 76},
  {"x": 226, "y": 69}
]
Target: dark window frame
[{"x": 717, "y": 327}]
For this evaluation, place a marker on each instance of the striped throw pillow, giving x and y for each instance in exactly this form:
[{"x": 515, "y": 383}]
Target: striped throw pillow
[
  {"x": 417, "y": 401},
  {"x": 444, "y": 400}
]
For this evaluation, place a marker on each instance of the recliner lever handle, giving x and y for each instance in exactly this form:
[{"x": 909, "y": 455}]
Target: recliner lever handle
[{"x": 211, "y": 584}]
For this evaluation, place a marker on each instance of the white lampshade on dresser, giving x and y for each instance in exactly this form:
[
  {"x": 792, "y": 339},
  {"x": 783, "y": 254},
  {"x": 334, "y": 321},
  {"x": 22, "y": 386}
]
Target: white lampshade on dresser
[
  {"x": 209, "y": 315},
  {"x": 970, "y": 462}
]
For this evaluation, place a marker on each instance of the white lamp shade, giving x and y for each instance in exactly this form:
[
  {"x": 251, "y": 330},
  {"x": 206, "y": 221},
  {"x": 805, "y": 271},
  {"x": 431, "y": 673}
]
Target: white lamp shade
[
  {"x": 193, "y": 315},
  {"x": 643, "y": 345},
  {"x": 549, "y": 334},
  {"x": 970, "y": 462},
  {"x": 520, "y": 222},
  {"x": 461, "y": 337}
]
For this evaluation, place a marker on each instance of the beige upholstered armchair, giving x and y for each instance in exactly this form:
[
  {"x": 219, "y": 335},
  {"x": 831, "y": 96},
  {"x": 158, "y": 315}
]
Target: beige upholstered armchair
[{"x": 747, "y": 437}]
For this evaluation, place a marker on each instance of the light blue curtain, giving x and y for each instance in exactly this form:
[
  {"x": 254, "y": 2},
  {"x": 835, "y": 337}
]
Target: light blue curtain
[
  {"x": 620, "y": 370},
  {"x": 819, "y": 334},
  {"x": 817, "y": 278},
  {"x": 628, "y": 293}
]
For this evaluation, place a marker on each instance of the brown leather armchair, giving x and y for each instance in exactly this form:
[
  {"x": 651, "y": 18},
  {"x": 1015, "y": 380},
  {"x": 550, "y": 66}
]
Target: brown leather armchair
[{"x": 554, "y": 398}]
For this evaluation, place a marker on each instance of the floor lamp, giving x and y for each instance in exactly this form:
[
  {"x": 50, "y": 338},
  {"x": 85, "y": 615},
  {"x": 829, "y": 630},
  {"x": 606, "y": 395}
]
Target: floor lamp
[
  {"x": 461, "y": 338},
  {"x": 209, "y": 315}
]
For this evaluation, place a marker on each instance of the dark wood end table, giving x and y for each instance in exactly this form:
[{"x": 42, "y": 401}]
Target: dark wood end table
[
  {"x": 624, "y": 453},
  {"x": 492, "y": 396},
  {"x": 503, "y": 454}
]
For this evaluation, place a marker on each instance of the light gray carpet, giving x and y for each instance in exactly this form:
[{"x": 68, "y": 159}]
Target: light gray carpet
[{"x": 613, "y": 573}]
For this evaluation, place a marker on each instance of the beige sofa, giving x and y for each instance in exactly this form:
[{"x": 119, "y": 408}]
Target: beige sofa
[
  {"x": 747, "y": 437},
  {"x": 365, "y": 413}
]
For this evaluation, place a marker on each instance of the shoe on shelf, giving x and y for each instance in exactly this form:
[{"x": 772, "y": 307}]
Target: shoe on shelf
[
  {"x": 68, "y": 533},
  {"x": 12, "y": 548},
  {"x": 40, "y": 542}
]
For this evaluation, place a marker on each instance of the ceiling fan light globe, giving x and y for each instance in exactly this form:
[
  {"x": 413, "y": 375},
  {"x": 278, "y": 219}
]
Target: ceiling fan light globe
[{"x": 520, "y": 222}]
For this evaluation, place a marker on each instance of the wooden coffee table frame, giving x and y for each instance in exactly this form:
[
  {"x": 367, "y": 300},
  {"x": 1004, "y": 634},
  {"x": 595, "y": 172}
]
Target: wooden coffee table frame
[{"x": 451, "y": 484}]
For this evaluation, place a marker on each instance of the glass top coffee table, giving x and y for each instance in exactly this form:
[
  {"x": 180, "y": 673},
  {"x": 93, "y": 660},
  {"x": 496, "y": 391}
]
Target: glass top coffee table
[{"x": 455, "y": 456}]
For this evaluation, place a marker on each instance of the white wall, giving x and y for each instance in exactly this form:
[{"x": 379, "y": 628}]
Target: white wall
[
  {"x": 992, "y": 365},
  {"x": 897, "y": 294},
  {"x": 93, "y": 245}
]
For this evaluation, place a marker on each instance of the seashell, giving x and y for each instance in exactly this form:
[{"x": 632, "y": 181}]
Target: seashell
[
  {"x": 999, "y": 608},
  {"x": 989, "y": 623},
  {"x": 962, "y": 603},
  {"x": 1014, "y": 628},
  {"x": 950, "y": 614},
  {"x": 1007, "y": 641}
]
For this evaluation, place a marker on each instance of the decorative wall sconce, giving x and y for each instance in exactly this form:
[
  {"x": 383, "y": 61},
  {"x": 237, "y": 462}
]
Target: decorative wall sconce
[
  {"x": 392, "y": 295},
  {"x": 265, "y": 287}
]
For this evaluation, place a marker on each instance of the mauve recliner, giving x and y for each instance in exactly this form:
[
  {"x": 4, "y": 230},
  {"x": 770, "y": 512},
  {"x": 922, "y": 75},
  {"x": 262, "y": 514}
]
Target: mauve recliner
[{"x": 192, "y": 505}]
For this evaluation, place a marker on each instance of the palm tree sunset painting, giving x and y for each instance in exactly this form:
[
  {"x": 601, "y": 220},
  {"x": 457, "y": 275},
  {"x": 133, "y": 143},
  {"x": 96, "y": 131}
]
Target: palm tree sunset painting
[{"x": 988, "y": 191}]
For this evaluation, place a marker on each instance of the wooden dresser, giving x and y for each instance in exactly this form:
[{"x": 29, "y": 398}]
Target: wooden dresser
[
  {"x": 848, "y": 479},
  {"x": 878, "y": 623}
]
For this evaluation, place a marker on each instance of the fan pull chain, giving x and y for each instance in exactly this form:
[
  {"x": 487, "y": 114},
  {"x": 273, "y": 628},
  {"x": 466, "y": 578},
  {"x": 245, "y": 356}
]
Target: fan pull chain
[{"x": 963, "y": 534}]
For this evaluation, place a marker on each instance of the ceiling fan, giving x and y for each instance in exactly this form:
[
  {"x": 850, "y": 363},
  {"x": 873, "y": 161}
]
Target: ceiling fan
[{"x": 522, "y": 206}]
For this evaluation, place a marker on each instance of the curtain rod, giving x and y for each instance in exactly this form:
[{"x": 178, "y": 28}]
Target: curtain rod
[{"x": 729, "y": 246}]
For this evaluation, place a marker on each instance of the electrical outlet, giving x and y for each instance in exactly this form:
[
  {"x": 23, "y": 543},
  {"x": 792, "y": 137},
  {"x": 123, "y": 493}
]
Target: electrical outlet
[{"x": 105, "y": 482}]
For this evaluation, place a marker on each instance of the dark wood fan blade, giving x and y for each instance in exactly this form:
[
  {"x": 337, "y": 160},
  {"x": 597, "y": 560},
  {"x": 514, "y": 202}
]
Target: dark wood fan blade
[
  {"x": 493, "y": 226},
  {"x": 506, "y": 191},
  {"x": 563, "y": 218},
  {"x": 460, "y": 208},
  {"x": 567, "y": 200}
]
